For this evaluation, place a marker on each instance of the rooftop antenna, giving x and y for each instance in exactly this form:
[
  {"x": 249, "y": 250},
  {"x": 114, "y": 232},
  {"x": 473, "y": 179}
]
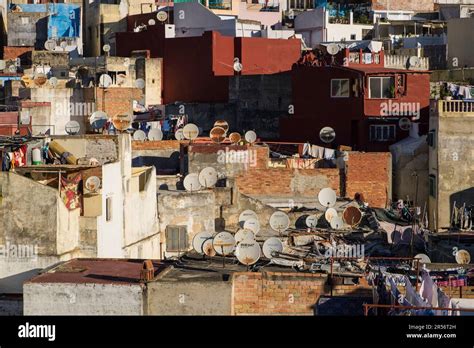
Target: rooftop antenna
[
  {"x": 222, "y": 124},
  {"x": 98, "y": 120},
  {"x": 155, "y": 134},
  {"x": 198, "y": 241},
  {"x": 122, "y": 122},
  {"x": 235, "y": 138},
  {"x": 327, "y": 135},
  {"x": 140, "y": 83},
  {"x": 72, "y": 128},
  {"x": 50, "y": 45},
  {"x": 191, "y": 131},
  {"x": 93, "y": 184},
  {"x": 151, "y": 22},
  {"x": 53, "y": 82},
  {"x": 244, "y": 234},
  {"x": 237, "y": 65},
  {"x": 139, "y": 135},
  {"x": 208, "y": 177},
  {"x": 162, "y": 16},
  {"x": 279, "y": 221},
  {"x": 330, "y": 214},
  {"x": 251, "y": 137},
  {"x": 224, "y": 244},
  {"x": 217, "y": 134},
  {"x": 105, "y": 81},
  {"x": 327, "y": 197},
  {"x": 208, "y": 249},
  {"x": 312, "y": 221},
  {"x": 191, "y": 182},
  {"x": 253, "y": 225},
  {"x": 179, "y": 135},
  {"x": 332, "y": 49},
  {"x": 352, "y": 216},
  {"x": 271, "y": 247},
  {"x": 106, "y": 48},
  {"x": 245, "y": 215},
  {"x": 337, "y": 223},
  {"x": 463, "y": 257},
  {"x": 248, "y": 253},
  {"x": 63, "y": 45}
]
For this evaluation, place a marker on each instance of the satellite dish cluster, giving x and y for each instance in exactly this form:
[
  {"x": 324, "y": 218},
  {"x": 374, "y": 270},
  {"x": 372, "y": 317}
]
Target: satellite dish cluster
[
  {"x": 207, "y": 178},
  {"x": 327, "y": 197}
]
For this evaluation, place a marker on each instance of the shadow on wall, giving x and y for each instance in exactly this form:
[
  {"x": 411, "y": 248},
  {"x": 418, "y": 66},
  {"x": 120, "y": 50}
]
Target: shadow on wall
[
  {"x": 163, "y": 165},
  {"x": 461, "y": 198},
  {"x": 14, "y": 284}
]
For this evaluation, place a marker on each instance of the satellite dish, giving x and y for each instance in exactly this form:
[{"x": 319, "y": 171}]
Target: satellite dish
[
  {"x": 179, "y": 135},
  {"x": 463, "y": 257},
  {"x": 72, "y": 128},
  {"x": 352, "y": 216},
  {"x": 93, "y": 184},
  {"x": 312, "y": 221},
  {"x": 330, "y": 214},
  {"x": 223, "y": 124},
  {"x": 414, "y": 61},
  {"x": 247, "y": 214},
  {"x": 190, "y": 131},
  {"x": 151, "y": 22},
  {"x": 248, "y": 252},
  {"x": 224, "y": 243},
  {"x": 63, "y": 45},
  {"x": 98, "y": 120},
  {"x": 244, "y": 235},
  {"x": 3, "y": 64},
  {"x": 106, "y": 48},
  {"x": 53, "y": 81},
  {"x": 404, "y": 123},
  {"x": 208, "y": 177},
  {"x": 155, "y": 134},
  {"x": 207, "y": 248},
  {"x": 332, "y": 49},
  {"x": 252, "y": 224},
  {"x": 337, "y": 223},
  {"x": 191, "y": 182},
  {"x": 327, "y": 197},
  {"x": 237, "y": 65},
  {"x": 139, "y": 135},
  {"x": 423, "y": 258},
  {"x": 12, "y": 69},
  {"x": 40, "y": 79},
  {"x": 218, "y": 134},
  {"x": 50, "y": 45},
  {"x": 279, "y": 221},
  {"x": 140, "y": 83},
  {"x": 199, "y": 239},
  {"x": 251, "y": 137},
  {"x": 235, "y": 138},
  {"x": 327, "y": 135},
  {"x": 122, "y": 122},
  {"x": 162, "y": 16},
  {"x": 271, "y": 246},
  {"x": 375, "y": 46},
  {"x": 105, "y": 81}
]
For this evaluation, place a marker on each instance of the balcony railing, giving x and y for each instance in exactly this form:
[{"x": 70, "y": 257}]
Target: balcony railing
[
  {"x": 456, "y": 106},
  {"x": 401, "y": 62}
]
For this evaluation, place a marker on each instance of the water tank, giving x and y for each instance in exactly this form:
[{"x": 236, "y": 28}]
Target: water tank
[{"x": 36, "y": 154}]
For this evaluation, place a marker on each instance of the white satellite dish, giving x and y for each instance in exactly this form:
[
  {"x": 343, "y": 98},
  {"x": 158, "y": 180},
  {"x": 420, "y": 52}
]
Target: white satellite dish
[
  {"x": 279, "y": 221},
  {"x": 199, "y": 239},
  {"x": 404, "y": 123},
  {"x": 247, "y": 214},
  {"x": 463, "y": 257},
  {"x": 253, "y": 225},
  {"x": 312, "y": 221},
  {"x": 162, "y": 16},
  {"x": 330, "y": 214},
  {"x": 151, "y": 22},
  {"x": 155, "y": 134},
  {"x": 271, "y": 246},
  {"x": 251, "y": 137},
  {"x": 63, "y": 45},
  {"x": 423, "y": 258},
  {"x": 72, "y": 128},
  {"x": 106, "y": 48},
  {"x": 139, "y": 135},
  {"x": 207, "y": 248},
  {"x": 98, "y": 120},
  {"x": 50, "y": 45},
  {"x": 53, "y": 81},
  {"x": 93, "y": 184},
  {"x": 191, "y": 182},
  {"x": 140, "y": 83},
  {"x": 224, "y": 243},
  {"x": 12, "y": 69},
  {"x": 248, "y": 252},
  {"x": 375, "y": 46},
  {"x": 327, "y": 197},
  {"x": 179, "y": 135},
  {"x": 208, "y": 177},
  {"x": 337, "y": 223},
  {"x": 327, "y": 135},
  {"x": 244, "y": 235},
  {"x": 105, "y": 81},
  {"x": 414, "y": 61},
  {"x": 191, "y": 131},
  {"x": 332, "y": 49},
  {"x": 237, "y": 65}
]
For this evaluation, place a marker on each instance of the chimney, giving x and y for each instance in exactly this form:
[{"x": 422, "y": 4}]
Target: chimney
[{"x": 148, "y": 271}]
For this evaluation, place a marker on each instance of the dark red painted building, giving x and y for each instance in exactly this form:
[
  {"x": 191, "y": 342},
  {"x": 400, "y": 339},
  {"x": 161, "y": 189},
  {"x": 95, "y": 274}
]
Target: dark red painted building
[
  {"x": 9, "y": 124},
  {"x": 363, "y": 103}
]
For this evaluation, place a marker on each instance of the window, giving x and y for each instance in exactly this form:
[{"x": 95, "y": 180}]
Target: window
[
  {"x": 432, "y": 185},
  {"x": 353, "y": 36},
  {"x": 176, "y": 238},
  {"x": 108, "y": 209},
  {"x": 382, "y": 132},
  {"x": 340, "y": 88},
  {"x": 381, "y": 87},
  {"x": 430, "y": 139}
]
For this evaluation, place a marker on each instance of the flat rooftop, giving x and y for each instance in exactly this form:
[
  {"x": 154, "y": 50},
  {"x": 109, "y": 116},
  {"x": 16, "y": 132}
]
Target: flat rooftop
[{"x": 97, "y": 271}]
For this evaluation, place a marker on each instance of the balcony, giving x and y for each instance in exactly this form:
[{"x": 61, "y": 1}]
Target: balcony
[
  {"x": 452, "y": 108},
  {"x": 401, "y": 62}
]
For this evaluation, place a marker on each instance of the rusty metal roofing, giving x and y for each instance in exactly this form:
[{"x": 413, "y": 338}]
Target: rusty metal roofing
[{"x": 97, "y": 271}]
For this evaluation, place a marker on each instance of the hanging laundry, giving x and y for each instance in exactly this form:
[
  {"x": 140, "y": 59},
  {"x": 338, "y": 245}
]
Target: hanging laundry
[
  {"x": 465, "y": 92},
  {"x": 329, "y": 154},
  {"x": 70, "y": 191},
  {"x": 306, "y": 150},
  {"x": 412, "y": 296},
  {"x": 426, "y": 290}
]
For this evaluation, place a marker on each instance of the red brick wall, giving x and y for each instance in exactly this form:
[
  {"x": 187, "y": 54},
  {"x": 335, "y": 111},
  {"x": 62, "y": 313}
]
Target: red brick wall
[
  {"x": 406, "y": 5},
  {"x": 271, "y": 293},
  {"x": 116, "y": 101},
  {"x": 369, "y": 174},
  {"x": 156, "y": 145},
  {"x": 10, "y": 52}
]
